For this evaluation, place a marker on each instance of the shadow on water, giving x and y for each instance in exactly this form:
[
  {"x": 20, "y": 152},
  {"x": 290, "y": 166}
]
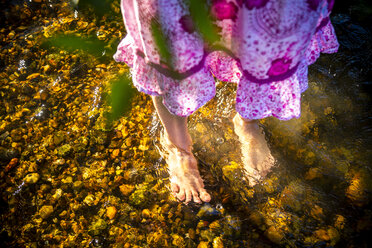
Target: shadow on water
[{"x": 69, "y": 179}]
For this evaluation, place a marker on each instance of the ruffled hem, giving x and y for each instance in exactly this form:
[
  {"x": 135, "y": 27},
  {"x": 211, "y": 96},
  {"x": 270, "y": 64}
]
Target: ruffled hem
[
  {"x": 323, "y": 41},
  {"x": 181, "y": 97},
  {"x": 125, "y": 51},
  {"x": 280, "y": 99}
]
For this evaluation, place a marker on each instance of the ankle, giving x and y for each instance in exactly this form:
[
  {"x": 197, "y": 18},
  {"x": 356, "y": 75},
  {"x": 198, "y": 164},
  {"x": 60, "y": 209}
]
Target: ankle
[{"x": 238, "y": 119}]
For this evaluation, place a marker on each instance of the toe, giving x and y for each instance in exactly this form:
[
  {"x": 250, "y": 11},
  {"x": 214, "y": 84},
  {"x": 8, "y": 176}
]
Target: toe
[
  {"x": 181, "y": 195},
  {"x": 204, "y": 196},
  {"x": 188, "y": 196},
  {"x": 175, "y": 188},
  {"x": 195, "y": 196}
]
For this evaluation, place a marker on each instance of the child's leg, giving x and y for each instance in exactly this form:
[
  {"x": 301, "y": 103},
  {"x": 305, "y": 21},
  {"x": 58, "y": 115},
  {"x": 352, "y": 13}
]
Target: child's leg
[
  {"x": 186, "y": 182},
  {"x": 256, "y": 154},
  {"x": 175, "y": 126}
]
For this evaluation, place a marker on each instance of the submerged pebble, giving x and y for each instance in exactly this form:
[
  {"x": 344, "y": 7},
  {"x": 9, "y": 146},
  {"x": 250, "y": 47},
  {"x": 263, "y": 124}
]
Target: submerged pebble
[
  {"x": 46, "y": 211},
  {"x": 218, "y": 242},
  {"x": 208, "y": 212},
  {"x": 71, "y": 178},
  {"x": 111, "y": 212},
  {"x": 32, "y": 178},
  {"x": 58, "y": 194},
  {"x": 275, "y": 235},
  {"x": 126, "y": 189}
]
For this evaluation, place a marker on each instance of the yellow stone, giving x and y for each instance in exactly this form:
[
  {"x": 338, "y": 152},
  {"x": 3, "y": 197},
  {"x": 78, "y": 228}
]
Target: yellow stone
[
  {"x": 32, "y": 76},
  {"x": 111, "y": 212},
  {"x": 356, "y": 191},
  {"x": 57, "y": 194},
  {"x": 217, "y": 243},
  {"x": 32, "y": 178},
  {"x": 203, "y": 244},
  {"x": 45, "y": 211},
  {"x": 192, "y": 233},
  {"x": 333, "y": 234},
  {"x": 317, "y": 212},
  {"x": 340, "y": 222},
  {"x": 115, "y": 153},
  {"x": 46, "y": 68},
  {"x": 312, "y": 173},
  {"x": 322, "y": 234},
  {"x": 126, "y": 189},
  {"x": 178, "y": 241},
  {"x": 328, "y": 111},
  {"x": 89, "y": 200},
  {"x": 274, "y": 235},
  {"x": 146, "y": 213},
  {"x": 128, "y": 141},
  {"x": 309, "y": 158},
  {"x": 11, "y": 34},
  {"x": 256, "y": 218}
]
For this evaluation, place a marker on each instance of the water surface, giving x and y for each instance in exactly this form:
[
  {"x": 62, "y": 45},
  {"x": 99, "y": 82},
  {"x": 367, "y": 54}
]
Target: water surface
[{"x": 69, "y": 179}]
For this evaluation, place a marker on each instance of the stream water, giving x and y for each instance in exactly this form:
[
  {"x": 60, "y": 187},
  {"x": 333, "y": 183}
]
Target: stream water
[{"x": 68, "y": 179}]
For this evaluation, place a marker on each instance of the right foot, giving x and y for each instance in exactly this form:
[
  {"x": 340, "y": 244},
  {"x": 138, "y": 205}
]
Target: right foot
[{"x": 186, "y": 183}]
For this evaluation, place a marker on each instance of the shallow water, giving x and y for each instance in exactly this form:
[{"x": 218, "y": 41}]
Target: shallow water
[{"x": 68, "y": 179}]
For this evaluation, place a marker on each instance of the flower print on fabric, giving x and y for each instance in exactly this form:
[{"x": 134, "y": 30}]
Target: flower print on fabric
[
  {"x": 313, "y": 4},
  {"x": 266, "y": 48},
  {"x": 250, "y": 4},
  {"x": 187, "y": 24},
  {"x": 279, "y": 67},
  {"x": 221, "y": 10}
]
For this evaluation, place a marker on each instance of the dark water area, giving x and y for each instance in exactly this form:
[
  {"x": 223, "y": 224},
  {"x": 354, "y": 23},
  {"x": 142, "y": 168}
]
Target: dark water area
[{"x": 70, "y": 179}]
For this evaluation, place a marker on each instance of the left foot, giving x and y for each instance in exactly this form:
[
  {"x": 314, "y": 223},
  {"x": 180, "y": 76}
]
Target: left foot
[{"x": 257, "y": 158}]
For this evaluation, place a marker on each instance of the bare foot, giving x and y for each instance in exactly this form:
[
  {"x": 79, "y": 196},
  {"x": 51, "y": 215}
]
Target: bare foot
[
  {"x": 257, "y": 158},
  {"x": 186, "y": 183}
]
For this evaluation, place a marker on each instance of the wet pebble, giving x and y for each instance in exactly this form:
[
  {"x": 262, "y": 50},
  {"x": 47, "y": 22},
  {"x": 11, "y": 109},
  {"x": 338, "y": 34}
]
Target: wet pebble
[
  {"x": 146, "y": 213},
  {"x": 67, "y": 180},
  {"x": 64, "y": 150},
  {"x": 77, "y": 185},
  {"x": 256, "y": 218},
  {"x": 111, "y": 212},
  {"x": 98, "y": 226},
  {"x": 126, "y": 189},
  {"x": 191, "y": 233},
  {"x": 7, "y": 154},
  {"x": 46, "y": 211},
  {"x": 58, "y": 138},
  {"x": 57, "y": 194},
  {"x": 333, "y": 234},
  {"x": 178, "y": 241},
  {"x": 218, "y": 242},
  {"x": 203, "y": 244},
  {"x": 31, "y": 178},
  {"x": 215, "y": 226},
  {"x": 275, "y": 235},
  {"x": 3, "y": 137},
  {"x": 207, "y": 235},
  {"x": 89, "y": 200},
  {"x": 208, "y": 212}
]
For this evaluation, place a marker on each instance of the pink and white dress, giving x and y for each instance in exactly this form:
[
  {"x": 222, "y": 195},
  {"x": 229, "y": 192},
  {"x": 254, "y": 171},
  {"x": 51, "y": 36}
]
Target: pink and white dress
[{"x": 266, "y": 47}]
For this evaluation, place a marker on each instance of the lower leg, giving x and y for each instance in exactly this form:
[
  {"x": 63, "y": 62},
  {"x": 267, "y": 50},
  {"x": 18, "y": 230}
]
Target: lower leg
[
  {"x": 175, "y": 126},
  {"x": 186, "y": 183},
  {"x": 256, "y": 155}
]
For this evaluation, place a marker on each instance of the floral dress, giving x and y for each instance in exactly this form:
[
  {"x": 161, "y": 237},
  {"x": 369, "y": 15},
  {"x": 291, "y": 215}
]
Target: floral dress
[{"x": 265, "y": 47}]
